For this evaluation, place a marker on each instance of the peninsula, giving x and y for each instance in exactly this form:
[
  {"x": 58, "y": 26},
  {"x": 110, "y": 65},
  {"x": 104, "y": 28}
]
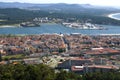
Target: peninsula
[{"x": 112, "y": 16}]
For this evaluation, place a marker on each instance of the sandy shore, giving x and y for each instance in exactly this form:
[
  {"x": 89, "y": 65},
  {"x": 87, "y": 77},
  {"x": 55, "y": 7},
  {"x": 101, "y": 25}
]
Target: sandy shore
[
  {"x": 112, "y": 16},
  {"x": 6, "y": 26}
]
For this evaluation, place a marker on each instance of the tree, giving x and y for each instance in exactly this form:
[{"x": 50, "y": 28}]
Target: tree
[{"x": 0, "y": 57}]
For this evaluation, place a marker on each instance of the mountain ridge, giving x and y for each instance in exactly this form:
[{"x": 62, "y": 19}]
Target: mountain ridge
[{"x": 27, "y": 5}]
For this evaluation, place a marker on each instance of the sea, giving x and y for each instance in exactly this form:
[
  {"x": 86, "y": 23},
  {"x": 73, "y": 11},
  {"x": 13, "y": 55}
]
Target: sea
[
  {"x": 58, "y": 28},
  {"x": 116, "y": 15}
]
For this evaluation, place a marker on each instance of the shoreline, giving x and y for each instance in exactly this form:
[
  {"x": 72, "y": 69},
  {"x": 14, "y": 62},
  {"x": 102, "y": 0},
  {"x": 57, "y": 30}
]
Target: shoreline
[
  {"x": 7, "y": 26},
  {"x": 112, "y": 16},
  {"x": 17, "y": 25}
]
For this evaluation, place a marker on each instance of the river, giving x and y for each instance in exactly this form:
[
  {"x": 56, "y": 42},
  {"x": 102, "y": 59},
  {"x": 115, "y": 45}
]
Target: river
[{"x": 58, "y": 28}]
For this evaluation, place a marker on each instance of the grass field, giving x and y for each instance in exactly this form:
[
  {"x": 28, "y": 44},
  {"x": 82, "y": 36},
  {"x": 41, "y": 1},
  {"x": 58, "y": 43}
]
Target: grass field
[{"x": 18, "y": 56}]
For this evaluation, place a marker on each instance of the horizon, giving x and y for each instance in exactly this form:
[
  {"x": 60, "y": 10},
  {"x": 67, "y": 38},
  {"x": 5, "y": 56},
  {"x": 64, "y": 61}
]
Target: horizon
[{"x": 111, "y": 3}]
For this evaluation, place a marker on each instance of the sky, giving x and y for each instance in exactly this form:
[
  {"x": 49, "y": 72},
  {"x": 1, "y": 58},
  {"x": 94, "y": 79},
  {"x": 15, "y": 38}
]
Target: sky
[{"x": 93, "y": 2}]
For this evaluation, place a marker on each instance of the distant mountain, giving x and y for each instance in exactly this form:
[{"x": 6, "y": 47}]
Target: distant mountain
[
  {"x": 61, "y": 8},
  {"x": 48, "y": 6},
  {"x": 15, "y": 5},
  {"x": 15, "y": 13}
]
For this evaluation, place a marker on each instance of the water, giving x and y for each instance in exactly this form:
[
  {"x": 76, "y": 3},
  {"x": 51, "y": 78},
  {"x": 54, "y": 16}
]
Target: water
[
  {"x": 117, "y": 15},
  {"x": 57, "y": 28}
]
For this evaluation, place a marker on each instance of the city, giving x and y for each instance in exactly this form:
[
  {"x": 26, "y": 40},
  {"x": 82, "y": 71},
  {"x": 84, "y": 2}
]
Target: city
[
  {"x": 59, "y": 40},
  {"x": 72, "y": 52}
]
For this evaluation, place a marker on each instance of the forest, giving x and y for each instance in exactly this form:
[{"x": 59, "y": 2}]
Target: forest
[
  {"x": 43, "y": 72},
  {"x": 16, "y": 16}
]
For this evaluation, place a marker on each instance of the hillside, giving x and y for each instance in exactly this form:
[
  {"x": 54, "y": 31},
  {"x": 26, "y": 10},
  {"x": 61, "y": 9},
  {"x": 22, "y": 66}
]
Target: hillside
[
  {"x": 61, "y": 7},
  {"x": 12, "y": 13}
]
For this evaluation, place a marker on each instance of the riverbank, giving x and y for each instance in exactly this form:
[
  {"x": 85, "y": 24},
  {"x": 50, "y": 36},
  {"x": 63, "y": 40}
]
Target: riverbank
[
  {"x": 18, "y": 25},
  {"x": 7, "y": 26},
  {"x": 112, "y": 16}
]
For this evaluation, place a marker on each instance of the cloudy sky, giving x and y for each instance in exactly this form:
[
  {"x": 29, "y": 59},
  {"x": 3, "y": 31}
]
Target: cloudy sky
[{"x": 93, "y": 2}]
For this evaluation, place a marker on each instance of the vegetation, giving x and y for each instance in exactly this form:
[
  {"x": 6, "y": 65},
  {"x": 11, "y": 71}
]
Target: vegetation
[
  {"x": 26, "y": 72},
  {"x": 102, "y": 76},
  {"x": 9, "y": 57},
  {"x": 16, "y": 16},
  {"x": 33, "y": 72},
  {"x": 62, "y": 50},
  {"x": 43, "y": 72}
]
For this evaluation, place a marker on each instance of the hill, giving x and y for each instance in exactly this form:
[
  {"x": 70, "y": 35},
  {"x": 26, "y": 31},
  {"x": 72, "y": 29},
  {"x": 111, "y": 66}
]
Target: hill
[
  {"x": 61, "y": 7},
  {"x": 12, "y": 13}
]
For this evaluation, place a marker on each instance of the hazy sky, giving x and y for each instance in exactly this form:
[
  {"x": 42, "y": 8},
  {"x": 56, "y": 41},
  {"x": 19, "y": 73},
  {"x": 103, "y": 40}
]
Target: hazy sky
[{"x": 94, "y": 2}]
